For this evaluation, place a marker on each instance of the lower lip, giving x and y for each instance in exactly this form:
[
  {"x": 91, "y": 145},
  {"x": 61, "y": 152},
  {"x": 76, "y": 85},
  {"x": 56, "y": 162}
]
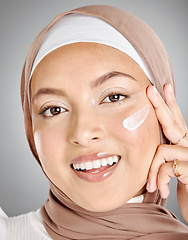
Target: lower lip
[{"x": 97, "y": 177}]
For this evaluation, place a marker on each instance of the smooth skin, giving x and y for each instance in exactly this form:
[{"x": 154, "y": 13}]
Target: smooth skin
[
  {"x": 78, "y": 119},
  {"x": 75, "y": 114}
]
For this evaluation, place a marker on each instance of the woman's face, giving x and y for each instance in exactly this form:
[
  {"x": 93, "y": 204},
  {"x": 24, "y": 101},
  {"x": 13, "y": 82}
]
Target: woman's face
[{"x": 80, "y": 96}]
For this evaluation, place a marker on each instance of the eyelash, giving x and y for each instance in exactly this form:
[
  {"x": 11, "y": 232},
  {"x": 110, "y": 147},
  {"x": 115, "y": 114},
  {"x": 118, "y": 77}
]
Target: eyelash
[
  {"x": 113, "y": 94},
  {"x": 45, "y": 109}
]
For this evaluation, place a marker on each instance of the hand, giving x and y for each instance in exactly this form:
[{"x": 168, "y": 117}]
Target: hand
[{"x": 174, "y": 128}]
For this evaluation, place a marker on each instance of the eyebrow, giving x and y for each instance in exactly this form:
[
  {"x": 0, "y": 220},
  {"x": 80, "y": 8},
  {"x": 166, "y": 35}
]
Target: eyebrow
[
  {"x": 102, "y": 79},
  {"x": 49, "y": 91}
]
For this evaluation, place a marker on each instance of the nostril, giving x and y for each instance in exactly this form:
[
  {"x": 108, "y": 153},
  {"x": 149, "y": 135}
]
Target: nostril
[
  {"x": 85, "y": 138},
  {"x": 95, "y": 138}
]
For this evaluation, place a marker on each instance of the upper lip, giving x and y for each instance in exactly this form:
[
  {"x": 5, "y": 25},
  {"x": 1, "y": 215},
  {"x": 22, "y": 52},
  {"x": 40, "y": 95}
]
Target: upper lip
[{"x": 91, "y": 157}]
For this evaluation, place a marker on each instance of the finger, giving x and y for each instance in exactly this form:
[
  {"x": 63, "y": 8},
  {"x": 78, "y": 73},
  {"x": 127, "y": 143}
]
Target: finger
[
  {"x": 165, "y": 153},
  {"x": 163, "y": 179},
  {"x": 174, "y": 109},
  {"x": 170, "y": 128},
  {"x": 165, "y": 174}
]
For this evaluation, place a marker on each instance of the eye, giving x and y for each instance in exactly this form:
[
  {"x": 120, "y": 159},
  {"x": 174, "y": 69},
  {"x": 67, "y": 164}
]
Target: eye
[
  {"x": 52, "y": 111},
  {"x": 114, "y": 97}
]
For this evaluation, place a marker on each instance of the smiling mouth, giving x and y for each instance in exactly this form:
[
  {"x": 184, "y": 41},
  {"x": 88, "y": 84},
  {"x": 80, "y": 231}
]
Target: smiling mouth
[
  {"x": 96, "y": 164},
  {"x": 96, "y": 170}
]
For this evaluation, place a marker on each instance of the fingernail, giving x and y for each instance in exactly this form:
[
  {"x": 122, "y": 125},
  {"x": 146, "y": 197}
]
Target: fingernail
[
  {"x": 171, "y": 90},
  {"x": 170, "y": 87},
  {"x": 147, "y": 186}
]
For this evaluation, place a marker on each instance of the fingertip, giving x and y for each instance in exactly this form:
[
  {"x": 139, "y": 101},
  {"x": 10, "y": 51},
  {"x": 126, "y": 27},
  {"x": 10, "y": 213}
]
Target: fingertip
[
  {"x": 164, "y": 195},
  {"x": 147, "y": 186},
  {"x": 151, "y": 187},
  {"x": 169, "y": 94},
  {"x": 164, "y": 191},
  {"x": 151, "y": 88},
  {"x": 151, "y": 92},
  {"x": 168, "y": 88}
]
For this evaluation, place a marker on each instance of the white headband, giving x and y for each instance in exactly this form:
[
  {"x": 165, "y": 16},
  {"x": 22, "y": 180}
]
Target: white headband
[{"x": 74, "y": 28}]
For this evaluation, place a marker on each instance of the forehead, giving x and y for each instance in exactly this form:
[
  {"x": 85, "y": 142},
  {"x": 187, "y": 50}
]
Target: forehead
[{"x": 83, "y": 62}]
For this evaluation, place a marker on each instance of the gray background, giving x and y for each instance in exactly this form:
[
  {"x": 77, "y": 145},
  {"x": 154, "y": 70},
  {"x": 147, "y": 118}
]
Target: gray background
[{"x": 23, "y": 186}]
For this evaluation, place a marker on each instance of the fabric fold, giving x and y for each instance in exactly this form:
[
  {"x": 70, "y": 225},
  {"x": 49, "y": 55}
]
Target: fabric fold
[{"x": 65, "y": 220}]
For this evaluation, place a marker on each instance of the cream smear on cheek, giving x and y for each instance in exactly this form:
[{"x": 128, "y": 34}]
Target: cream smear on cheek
[{"x": 134, "y": 121}]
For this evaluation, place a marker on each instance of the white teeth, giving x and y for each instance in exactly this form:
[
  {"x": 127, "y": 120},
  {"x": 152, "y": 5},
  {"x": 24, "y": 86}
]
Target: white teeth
[
  {"x": 82, "y": 166},
  {"x": 88, "y": 165},
  {"x": 115, "y": 159},
  {"x": 96, "y": 164},
  {"x": 104, "y": 162},
  {"x": 77, "y": 166},
  {"x": 110, "y": 160}
]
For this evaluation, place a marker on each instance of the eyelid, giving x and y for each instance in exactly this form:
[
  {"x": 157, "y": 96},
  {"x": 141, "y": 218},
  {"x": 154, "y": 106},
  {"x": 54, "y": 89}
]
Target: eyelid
[
  {"x": 52, "y": 104},
  {"x": 118, "y": 92},
  {"x": 45, "y": 109}
]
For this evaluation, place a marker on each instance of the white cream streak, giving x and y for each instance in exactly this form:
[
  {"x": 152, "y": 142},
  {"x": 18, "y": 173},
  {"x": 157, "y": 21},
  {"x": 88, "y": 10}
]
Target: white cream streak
[{"x": 134, "y": 121}]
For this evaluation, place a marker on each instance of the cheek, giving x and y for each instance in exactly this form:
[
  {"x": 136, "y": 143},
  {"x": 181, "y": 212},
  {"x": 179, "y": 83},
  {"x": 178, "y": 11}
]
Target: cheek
[
  {"x": 137, "y": 133},
  {"x": 49, "y": 145},
  {"x": 137, "y": 119}
]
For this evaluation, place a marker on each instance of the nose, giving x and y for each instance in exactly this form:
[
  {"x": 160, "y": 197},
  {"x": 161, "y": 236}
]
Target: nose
[{"x": 86, "y": 130}]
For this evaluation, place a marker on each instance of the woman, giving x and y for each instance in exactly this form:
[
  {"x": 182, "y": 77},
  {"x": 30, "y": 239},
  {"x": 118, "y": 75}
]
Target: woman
[{"x": 100, "y": 130}]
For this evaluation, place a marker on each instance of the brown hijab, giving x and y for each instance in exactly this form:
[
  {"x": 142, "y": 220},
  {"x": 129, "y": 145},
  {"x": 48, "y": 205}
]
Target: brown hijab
[{"x": 64, "y": 219}]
